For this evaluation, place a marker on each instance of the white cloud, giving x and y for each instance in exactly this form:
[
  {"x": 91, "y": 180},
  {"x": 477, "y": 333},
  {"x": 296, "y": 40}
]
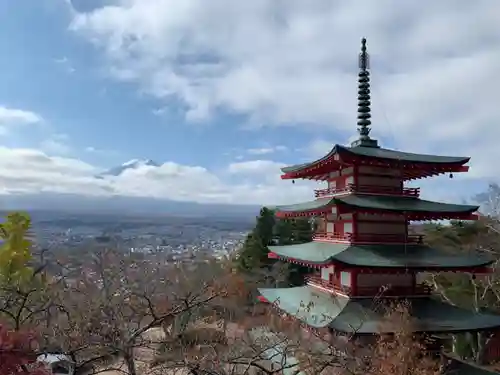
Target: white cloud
[
  {"x": 434, "y": 87},
  {"x": 64, "y": 62},
  {"x": 56, "y": 144},
  {"x": 266, "y": 150},
  {"x": 10, "y": 117},
  {"x": 25, "y": 171},
  {"x": 256, "y": 167},
  {"x": 32, "y": 171},
  {"x": 100, "y": 152}
]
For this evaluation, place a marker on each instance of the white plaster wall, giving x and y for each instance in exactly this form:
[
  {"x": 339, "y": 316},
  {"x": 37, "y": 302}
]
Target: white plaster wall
[
  {"x": 347, "y": 171},
  {"x": 345, "y": 278},
  {"x": 326, "y": 272},
  {"x": 332, "y": 184},
  {"x": 345, "y": 217},
  {"x": 347, "y": 227},
  {"x": 329, "y": 227}
]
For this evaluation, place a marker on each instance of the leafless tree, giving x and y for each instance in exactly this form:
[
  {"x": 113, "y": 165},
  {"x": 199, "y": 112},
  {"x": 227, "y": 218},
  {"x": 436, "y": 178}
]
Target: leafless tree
[{"x": 482, "y": 291}]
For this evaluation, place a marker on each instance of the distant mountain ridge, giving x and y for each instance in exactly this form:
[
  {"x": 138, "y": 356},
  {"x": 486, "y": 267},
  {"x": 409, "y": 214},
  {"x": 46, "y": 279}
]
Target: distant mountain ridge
[
  {"x": 121, "y": 204},
  {"x": 131, "y": 164}
]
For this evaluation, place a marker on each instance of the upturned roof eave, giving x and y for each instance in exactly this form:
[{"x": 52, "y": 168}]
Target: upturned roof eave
[
  {"x": 405, "y": 157},
  {"x": 302, "y": 166},
  {"x": 340, "y": 254},
  {"x": 323, "y": 205}
]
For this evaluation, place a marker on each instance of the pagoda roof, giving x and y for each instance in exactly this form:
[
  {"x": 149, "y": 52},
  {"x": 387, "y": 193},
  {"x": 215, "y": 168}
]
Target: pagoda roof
[
  {"x": 383, "y": 154},
  {"x": 364, "y": 316},
  {"x": 457, "y": 366},
  {"x": 384, "y": 256},
  {"x": 376, "y": 202}
]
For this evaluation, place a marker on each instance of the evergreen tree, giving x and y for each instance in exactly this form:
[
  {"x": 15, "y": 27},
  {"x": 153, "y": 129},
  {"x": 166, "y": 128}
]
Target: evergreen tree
[
  {"x": 271, "y": 231},
  {"x": 253, "y": 253},
  {"x": 302, "y": 232}
]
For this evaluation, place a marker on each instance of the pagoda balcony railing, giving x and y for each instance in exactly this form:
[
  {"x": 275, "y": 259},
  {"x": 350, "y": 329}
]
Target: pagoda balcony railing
[
  {"x": 368, "y": 189},
  {"x": 370, "y": 291},
  {"x": 318, "y": 281},
  {"x": 370, "y": 237},
  {"x": 394, "y": 290}
]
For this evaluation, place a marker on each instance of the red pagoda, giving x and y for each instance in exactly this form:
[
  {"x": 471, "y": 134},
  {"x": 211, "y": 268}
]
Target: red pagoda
[{"x": 362, "y": 249}]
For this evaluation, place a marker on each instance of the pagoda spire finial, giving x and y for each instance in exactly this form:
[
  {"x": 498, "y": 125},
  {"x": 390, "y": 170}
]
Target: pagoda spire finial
[{"x": 364, "y": 110}]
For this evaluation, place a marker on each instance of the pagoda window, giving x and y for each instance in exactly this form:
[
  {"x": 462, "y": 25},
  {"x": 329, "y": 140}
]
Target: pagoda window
[
  {"x": 347, "y": 227},
  {"x": 347, "y": 171},
  {"x": 326, "y": 273},
  {"x": 330, "y": 227},
  {"x": 349, "y": 180},
  {"x": 345, "y": 278},
  {"x": 345, "y": 217}
]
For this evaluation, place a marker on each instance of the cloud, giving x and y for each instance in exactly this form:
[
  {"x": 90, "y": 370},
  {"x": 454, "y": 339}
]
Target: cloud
[
  {"x": 294, "y": 62},
  {"x": 13, "y": 116},
  {"x": 30, "y": 171},
  {"x": 56, "y": 144},
  {"x": 33, "y": 171},
  {"x": 266, "y": 150},
  {"x": 64, "y": 62},
  {"x": 101, "y": 152}
]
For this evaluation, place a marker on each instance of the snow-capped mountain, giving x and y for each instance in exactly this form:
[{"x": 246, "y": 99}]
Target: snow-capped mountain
[
  {"x": 120, "y": 204},
  {"x": 131, "y": 164}
]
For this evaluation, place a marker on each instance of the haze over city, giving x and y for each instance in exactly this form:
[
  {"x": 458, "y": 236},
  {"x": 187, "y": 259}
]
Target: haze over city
[{"x": 210, "y": 100}]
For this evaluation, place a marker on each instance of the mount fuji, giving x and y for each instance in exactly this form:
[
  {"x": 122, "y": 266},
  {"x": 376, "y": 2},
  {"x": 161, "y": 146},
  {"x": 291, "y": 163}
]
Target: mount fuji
[
  {"x": 61, "y": 202},
  {"x": 131, "y": 164}
]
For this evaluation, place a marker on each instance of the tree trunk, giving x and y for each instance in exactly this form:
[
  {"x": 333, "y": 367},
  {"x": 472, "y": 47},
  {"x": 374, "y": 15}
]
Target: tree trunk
[
  {"x": 481, "y": 348},
  {"x": 130, "y": 362},
  {"x": 454, "y": 345}
]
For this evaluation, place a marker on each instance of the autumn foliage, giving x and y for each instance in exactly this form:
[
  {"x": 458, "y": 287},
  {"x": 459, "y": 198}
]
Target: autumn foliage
[
  {"x": 18, "y": 353},
  {"x": 402, "y": 352}
]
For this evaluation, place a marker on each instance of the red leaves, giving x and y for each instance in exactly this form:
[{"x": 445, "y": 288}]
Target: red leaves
[{"x": 17, "y": 353}]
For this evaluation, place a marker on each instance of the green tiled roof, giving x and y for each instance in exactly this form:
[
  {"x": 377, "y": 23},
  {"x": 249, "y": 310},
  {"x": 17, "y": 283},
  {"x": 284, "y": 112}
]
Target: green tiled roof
[
  {"x": 378, "y": 202},
  {"x": 307, "y": 206},
  {"x": 382, "y": 153},
  {"x": 403, "y": 204},
  {"x": 457, "y": 366},
  {"x": 343, "y": 314},
  {"x": 410, "y": 256}
]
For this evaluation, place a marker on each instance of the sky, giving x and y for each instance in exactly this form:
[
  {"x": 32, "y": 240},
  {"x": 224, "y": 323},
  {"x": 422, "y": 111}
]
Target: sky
[{"x": 222, "y": 93}]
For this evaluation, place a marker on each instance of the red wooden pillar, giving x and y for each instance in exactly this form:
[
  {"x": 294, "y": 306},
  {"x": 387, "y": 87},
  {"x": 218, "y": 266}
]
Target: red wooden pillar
[
  {"x": 354, "y": 282},
  {"x": 355, "y": 224}
]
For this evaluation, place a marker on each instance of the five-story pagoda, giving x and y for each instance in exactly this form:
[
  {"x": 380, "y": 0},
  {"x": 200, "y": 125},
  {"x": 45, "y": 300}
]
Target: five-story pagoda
[{"x": 362, "y": 249}]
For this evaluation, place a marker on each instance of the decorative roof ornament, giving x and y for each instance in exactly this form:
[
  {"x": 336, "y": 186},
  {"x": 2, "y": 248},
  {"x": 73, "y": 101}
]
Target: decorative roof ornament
[{"x": 364, "y": 110}]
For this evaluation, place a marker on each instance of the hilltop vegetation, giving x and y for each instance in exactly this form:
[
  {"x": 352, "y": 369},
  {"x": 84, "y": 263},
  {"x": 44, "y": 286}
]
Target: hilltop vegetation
[{"x": 140, "y": 316}]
